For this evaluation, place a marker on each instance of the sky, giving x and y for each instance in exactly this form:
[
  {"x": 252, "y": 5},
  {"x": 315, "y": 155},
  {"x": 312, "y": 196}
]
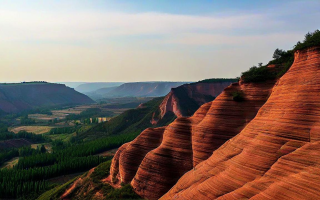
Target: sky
[{"x": 164, "y": 40}]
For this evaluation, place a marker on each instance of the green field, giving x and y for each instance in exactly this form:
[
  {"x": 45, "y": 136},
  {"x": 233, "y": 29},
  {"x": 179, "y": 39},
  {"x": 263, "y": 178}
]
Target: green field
[{"x": 63, "y": 137}]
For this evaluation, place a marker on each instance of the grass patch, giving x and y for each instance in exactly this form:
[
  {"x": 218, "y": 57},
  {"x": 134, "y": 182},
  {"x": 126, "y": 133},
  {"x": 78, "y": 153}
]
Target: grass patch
[
  {"x": 56, "y": 192},
  {"x": 63, "y": 137},
  {"x": 101, "y": 171}
]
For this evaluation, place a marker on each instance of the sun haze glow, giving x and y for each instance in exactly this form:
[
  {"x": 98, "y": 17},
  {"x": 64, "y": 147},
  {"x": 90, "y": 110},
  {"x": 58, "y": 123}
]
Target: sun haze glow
[{"x": 145, "y": 41}]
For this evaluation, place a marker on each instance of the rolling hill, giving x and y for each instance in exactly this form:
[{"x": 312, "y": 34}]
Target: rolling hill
[
  {"x": 137, "y": 89},
  {"x": 17, "y": 97}
]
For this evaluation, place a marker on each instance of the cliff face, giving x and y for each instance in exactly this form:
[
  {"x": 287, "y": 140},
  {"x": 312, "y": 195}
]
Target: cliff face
[
  {"x": 20, "y": 97},
  {"x": 184, "y": 100},
  {"x": 276, "y": 156},
  {"x": 188, "y": 141}
]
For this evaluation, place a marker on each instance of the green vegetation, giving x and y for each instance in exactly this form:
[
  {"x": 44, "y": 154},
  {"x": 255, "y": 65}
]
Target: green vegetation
[
  {"x": 262, "y": 73},
  {"x": 94, "y": 181},
  {"x": 25, "y": 83},
  {"x": 130, "y": 122},
  {"x": 63, "y": 130},
  {"x": 101, "y": 171},
  {"x": 90, "y": 113},
  {"x": 258, "y": 74},
  {"x": 62, "y": 137},
  {"x": 7, "y": 155},
  {"x": 36, "y": 166},
  {"x": 125, "y": 192},
  {"x": 29, "y": 177},
  {"x": 25, "y": 120},
  {"x": 122, "y": 105},
  {"x": 215, "y": 80},
  {"x": 56, "y": 192},
  {"x": 310, "y": 40},
  {"x": 16, "y": 182},
  {"x": 6, "y": 135},
  {"x": 282, "y": 58},
  {"x": 238, "y": 96}
]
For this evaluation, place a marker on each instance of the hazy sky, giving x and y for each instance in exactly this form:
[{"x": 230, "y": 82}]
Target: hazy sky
[{"x": 164, "y": 40}]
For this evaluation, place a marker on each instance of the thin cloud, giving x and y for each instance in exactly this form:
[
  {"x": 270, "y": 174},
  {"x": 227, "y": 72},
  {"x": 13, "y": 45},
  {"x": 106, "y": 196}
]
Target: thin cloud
[{"x": 91, "y": 25}]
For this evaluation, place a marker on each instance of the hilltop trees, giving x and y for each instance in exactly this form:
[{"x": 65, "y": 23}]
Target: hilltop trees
[
  {"x": 278, "y": 53},
  {"x": 310, "y": 39}
]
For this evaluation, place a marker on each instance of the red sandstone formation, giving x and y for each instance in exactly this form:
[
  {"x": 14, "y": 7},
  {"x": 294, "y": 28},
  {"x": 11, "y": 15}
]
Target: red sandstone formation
[
  {"x": 276, "y": 155},
  {"x": 184, "y": 100},
  {"x": 163, "y": 166},
  {"x": 128, "y": 158},
  {"x": 188, "y": 141}
]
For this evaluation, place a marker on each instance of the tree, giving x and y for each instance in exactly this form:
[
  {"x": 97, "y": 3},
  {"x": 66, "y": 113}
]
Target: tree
[
  {"x": 43, "y": 149},
  {"x": 278, "y": 53}
]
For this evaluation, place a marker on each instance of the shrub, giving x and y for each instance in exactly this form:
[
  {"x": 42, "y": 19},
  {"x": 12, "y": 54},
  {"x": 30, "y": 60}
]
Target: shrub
[
  {"x": 237, "y": 96},
  {"x": 278, "y": 53},
  {"x": 125, "y": 192}
]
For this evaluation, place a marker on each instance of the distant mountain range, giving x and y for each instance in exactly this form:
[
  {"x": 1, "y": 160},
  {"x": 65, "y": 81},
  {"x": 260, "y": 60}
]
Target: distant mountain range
[
  {"x": 135, "y": 89},
  {"x": 17, "y": 97},
  {"x": 90, "y": 87}
]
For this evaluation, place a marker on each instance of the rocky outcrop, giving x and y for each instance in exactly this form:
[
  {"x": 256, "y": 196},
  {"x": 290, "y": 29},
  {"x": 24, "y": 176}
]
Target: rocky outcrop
[
  {"x": 188, "y": 141},
  {"x": 18, "y": 97},
  {"x": 184, "y": 100},
  {"x": 276, "y": 155}
]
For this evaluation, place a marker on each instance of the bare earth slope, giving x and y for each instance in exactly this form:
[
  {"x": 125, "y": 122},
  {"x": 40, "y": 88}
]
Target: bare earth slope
[
  {"x": 188, "y": 141},
  {"x": 24, "y": 96},
  {"x": 276, "y": 156}
]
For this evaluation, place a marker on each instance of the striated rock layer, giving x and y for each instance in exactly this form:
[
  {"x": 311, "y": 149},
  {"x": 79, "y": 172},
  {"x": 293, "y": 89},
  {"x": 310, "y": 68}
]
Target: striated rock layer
[
  {"x": 277, "y": 155},
  {"x": 131, "y": 154},
  {"x": 187, "y": 141}
]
